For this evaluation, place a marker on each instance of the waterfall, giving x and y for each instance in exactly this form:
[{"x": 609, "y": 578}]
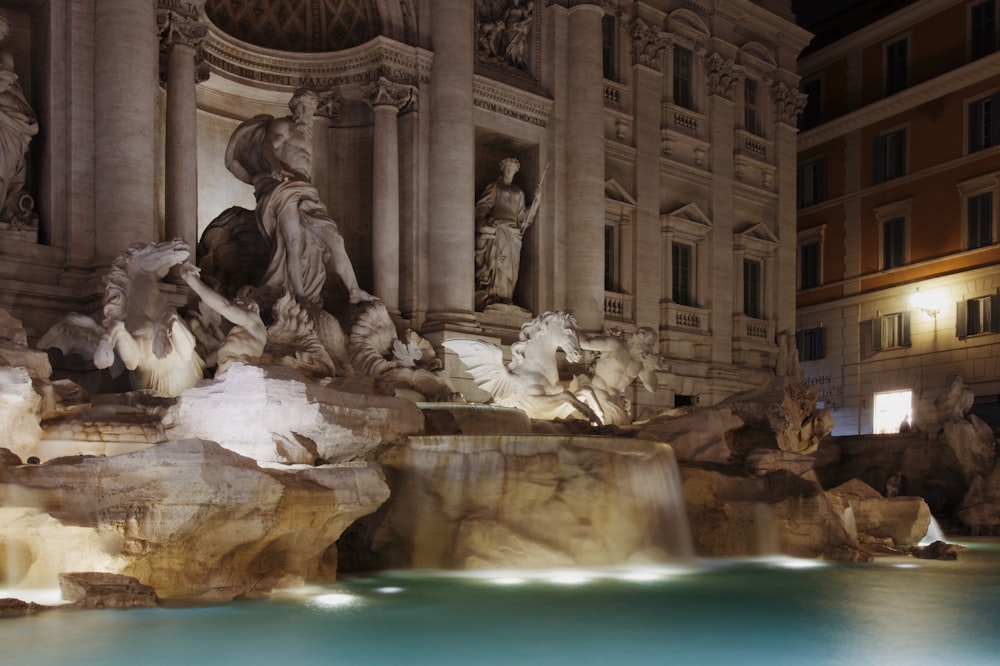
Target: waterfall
[
  {"x": 934, "y": 533},
  {"x": 767, "y": 541}
]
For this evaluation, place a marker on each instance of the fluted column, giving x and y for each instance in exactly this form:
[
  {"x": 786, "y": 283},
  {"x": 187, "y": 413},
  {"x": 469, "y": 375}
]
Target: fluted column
[
  {"x": 451, "y": 182},
  {"x": 386, "y": 99},
  {"x": 585, "y": 167},
  {"x": 181, "y": 37},
  {"x": 125, "y": 78}
]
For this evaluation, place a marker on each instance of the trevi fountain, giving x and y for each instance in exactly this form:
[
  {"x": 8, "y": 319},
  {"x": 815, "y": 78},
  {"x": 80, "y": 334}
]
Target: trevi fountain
[{"x": 266, "y": 464}]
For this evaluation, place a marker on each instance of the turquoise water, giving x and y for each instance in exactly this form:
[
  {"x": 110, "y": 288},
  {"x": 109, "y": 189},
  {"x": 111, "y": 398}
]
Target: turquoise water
[{"x": 781, "y": 611}]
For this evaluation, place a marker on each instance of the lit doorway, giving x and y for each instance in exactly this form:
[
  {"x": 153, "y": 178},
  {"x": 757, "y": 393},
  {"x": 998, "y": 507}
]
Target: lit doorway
[{"x": 891, "y": 409}]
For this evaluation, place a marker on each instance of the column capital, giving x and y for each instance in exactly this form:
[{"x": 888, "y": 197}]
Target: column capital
[
  {"x": 385, "y": 92},
  {"x": 177, "y": 29},
  {"x": 648, "y": 43},
  {"x": 723, "y": 77},
  {"x": 788, "y": 103}
]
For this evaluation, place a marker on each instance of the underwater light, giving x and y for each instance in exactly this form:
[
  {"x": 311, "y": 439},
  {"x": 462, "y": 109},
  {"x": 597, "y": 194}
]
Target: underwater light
[
  {"x": 335, "y": 600},
  {"x": 389, "y": 590},
  {"x": 508, "y": 580},
  {"x": 569, "y": 579}
]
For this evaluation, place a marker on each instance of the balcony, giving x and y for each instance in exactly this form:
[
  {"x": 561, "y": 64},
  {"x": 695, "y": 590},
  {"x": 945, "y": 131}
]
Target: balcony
[
  {"x": 685, "y": 318},
  {"x": 619, "y": 307},
  {"x": 757, "y": 148}
]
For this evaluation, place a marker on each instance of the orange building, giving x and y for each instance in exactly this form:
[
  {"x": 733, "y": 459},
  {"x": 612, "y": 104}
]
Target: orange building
[{"x": 898, "y": 172}]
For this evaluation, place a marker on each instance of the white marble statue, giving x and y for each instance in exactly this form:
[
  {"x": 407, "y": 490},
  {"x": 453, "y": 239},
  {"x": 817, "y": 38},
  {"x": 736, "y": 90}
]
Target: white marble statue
[
  {"x": 140, "y": 327},
  {"x": 275, "y": 156},
  {"x": 531, "y": 380},
  {"x": 244, "y": 342},
  {"x": 18, "y": 124},
  {"x": 621, "y": 360},
  {"x": 501, "y": 220}
]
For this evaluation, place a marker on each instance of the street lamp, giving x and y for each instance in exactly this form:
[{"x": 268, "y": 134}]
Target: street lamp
[{"x": 926, "y": 302}]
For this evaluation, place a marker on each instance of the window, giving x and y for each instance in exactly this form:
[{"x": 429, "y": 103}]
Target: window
[
  {"x": 811, "y": 183},
  {"x": 682, "y": 78},
  {"x": 751, "y": 106},
  {"x": 809, "y": 264},
  {"x": 897, "y": 65},
  {"x": 813, "y": 113},
  {"x": 610, "y": 268},
  {"x": 683, "y": 271},
  {"x": 980, "y": 220},
  {"x": 893, "y": 242},
  {"x": 609, "y": 46},
  {"x": 892, "y": 408},
  {"x": 810, "y": 344},
  {"x": 891, "y": 331},
  {"x": 752, "y": 284},
  {"x": 977, "y": 315},
  {"x": 890, "y": 156},
  {"x": 982, "y": 29},
  {"x": 982, "y": 132}
]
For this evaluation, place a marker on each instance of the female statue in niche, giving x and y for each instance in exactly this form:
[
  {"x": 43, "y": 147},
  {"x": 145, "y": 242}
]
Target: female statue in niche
[
  {"x": 501, "y": 220},
  {"x": 18, "y": 124}
]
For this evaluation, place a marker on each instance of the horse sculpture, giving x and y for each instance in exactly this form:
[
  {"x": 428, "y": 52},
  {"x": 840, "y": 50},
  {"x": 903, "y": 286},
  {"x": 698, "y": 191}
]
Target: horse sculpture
[
  {"x": 531, "y": 380},
  {"x": 139, "y": 324}
]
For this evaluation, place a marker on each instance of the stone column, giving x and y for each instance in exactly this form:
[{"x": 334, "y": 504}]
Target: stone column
[
  {"x": 181, "y": 37},
  {"x": 125, "y": 78},
  {"x": 386, "y": 99},
  {"x": 451, "y": 182},
  {"x": 585, "y": 167}
]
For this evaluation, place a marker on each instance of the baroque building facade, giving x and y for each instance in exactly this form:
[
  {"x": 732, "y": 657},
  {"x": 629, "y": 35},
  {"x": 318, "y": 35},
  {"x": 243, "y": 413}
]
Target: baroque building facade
[
  {"x": 898, "y": 191},
  {"x": 655, "y": 141}
]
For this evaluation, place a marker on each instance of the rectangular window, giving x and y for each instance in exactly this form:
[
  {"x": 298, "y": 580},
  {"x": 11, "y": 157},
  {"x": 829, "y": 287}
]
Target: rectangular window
[
  {"x": 893, "y": 242},
  {"x": 610, "y": 270},
  {"x": 890, "y": 156},
  {"x": 977, "y": 315},
  {"x": 812, "y": 115},
  {"x": 982, "y": 113},
  {"x": 810, "y": 344},
  {"x": 751, "y": 108},
  {"x": 891, "y": 331},
  {"x": 811, "y": 183},
  {"x": 897, "y": 66},
  {"x": 809, "y": 265},
  {"x": 608, "y": 46},
  {"x": 681, "y": 254},
  {"x": 682, "y": 78},
  {"x": 980, "y": 220},
  {"x": 752, "y": 283},
  {"x": 982, "y": 29}
]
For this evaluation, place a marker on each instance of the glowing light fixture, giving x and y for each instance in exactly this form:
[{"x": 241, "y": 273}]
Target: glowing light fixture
[
  {"x": 927, "y": 302},
  {"x": 335, "y": 600}
]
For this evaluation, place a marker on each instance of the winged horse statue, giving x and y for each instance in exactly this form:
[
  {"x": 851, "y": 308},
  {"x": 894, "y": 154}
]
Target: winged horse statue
[{"x": 530, "y": 381}]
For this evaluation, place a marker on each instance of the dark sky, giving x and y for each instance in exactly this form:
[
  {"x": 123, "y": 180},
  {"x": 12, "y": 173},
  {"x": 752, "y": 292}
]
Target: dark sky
[{"x": 807, "y": 12}]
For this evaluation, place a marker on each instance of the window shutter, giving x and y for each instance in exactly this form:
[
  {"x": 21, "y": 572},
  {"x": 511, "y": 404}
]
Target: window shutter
[
  {"x": 821, "y": 180},
  {"x": 876, "y": 325},
  {"x": 995, "y": 313},
  {"x": 961, "y": 319},
  {"x": 820, "y": 342},
  {"x": 878, "y": 163},
  {"x": 904, "y": 326}
]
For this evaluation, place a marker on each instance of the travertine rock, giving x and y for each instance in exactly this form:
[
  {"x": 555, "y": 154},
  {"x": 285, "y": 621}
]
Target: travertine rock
[
  {"x": 972, "y": 443},
  {"x": 19, "y": 411},
  {"x": 952, "y": 403},
  {"x": 785, "y": 407},
  {"x": 980, "y": 508},
  {"x": 95, "y": 589},
  {"x": 699, "y": 435},
  {"x": 765, "y": 461},
  {"x": 737, "y": 515},
  {"x": 273, "y": 414},
  {"x": 904, "y": 520},
  {"x": 185, "y": 517}
]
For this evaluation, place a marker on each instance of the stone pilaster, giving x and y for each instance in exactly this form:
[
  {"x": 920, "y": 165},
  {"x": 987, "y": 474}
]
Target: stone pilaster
[
  {"x": 726, "y": 278},
  {"x": 585, "y": 167},
  {"x": 788, "y": 104},
  {"x": 451, "y": 183},
  {"x": 125, "y": 78},
  {"x": 648, "y": 83},
  {"x": 387, "y": 99},
  {"x": 180, "y": 37}
]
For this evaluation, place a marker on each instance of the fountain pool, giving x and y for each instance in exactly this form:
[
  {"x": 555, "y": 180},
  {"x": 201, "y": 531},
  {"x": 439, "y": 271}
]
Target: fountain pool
[{"x": 764, "y": 611}]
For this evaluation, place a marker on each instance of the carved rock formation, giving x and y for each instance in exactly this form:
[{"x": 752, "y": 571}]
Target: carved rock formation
[
  {"x": 188, "y": 518},
  {"x": 273, "y": 414},
  {"x": 903, "y": 520}
]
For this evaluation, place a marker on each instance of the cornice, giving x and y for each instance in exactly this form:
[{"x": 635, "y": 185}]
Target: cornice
[
  {"x": 870, "y": 34},
  {"x": 910, "y": 98},
  {"x": 279, "y": 70}
]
